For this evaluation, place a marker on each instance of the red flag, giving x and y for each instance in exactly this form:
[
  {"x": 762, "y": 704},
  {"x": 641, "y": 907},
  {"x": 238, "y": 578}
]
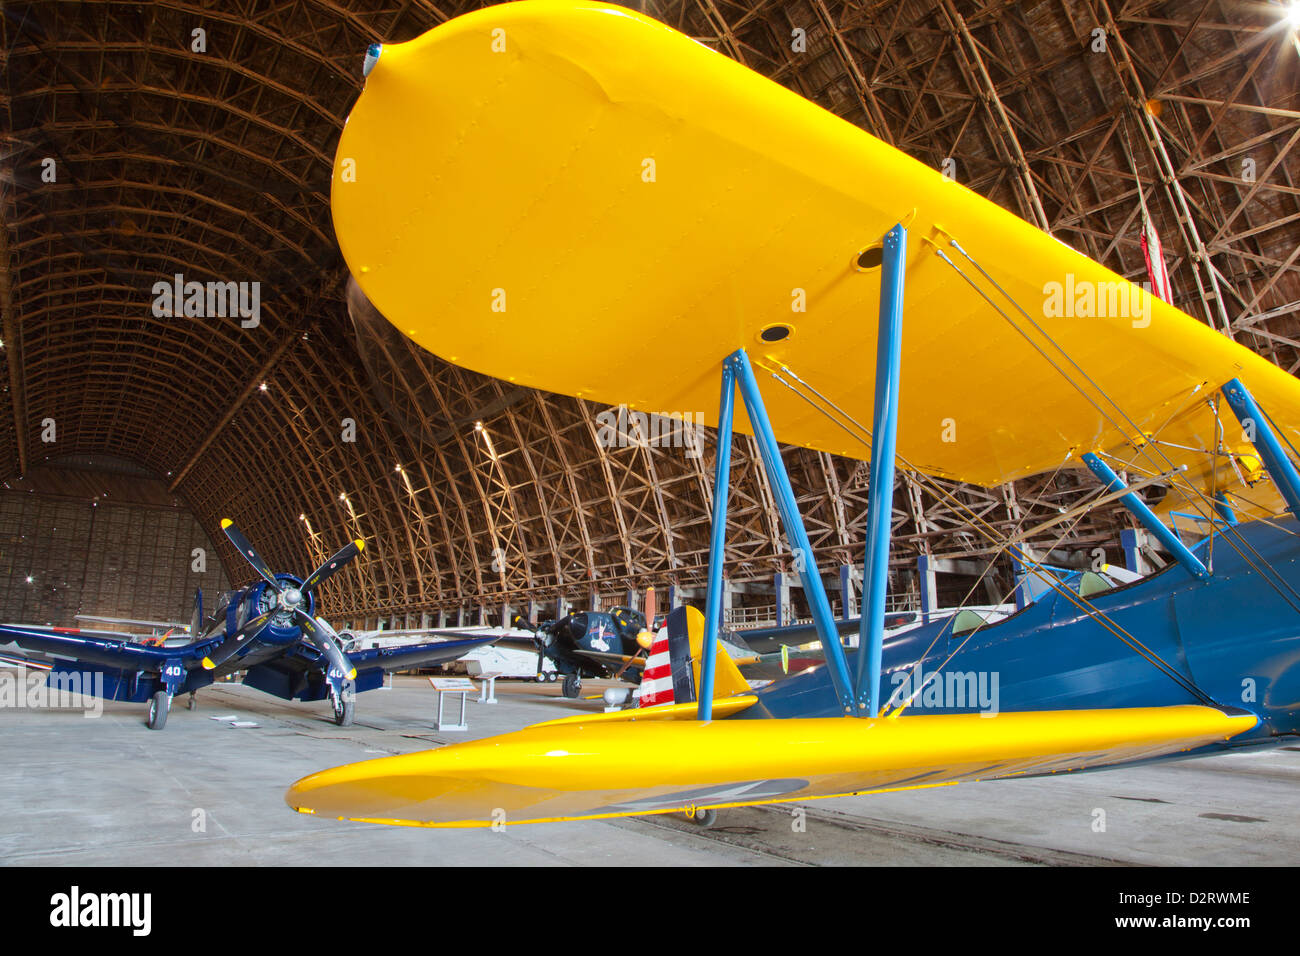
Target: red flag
[{"x": 1154, "y": 254}]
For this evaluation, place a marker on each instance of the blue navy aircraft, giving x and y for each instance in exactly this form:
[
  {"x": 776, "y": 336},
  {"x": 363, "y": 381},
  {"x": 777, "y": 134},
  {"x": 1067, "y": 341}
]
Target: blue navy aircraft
[
  {"x": 591, "y": 644},
  {"x": 269, "y": 630}
]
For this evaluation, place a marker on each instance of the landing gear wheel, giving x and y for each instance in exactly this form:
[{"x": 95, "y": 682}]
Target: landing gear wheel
[
  {"x": 343, "y": 710},
  {"x": 159, "y": 705},
  {"x": 192, "y": 703},
  {"x": 572, "y": 686},
  {"x": 704, "y": 818},
  {"x": 342, "y": 697}
]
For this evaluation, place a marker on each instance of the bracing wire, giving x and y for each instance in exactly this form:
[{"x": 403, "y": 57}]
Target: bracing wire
[
  {"x": 991, "y": 534},
  {"x": 1142, "y": 443}
]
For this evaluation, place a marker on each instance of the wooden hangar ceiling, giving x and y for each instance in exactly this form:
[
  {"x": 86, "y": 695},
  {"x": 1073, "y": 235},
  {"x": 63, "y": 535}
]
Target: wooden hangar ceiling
[{"x": 146, "y": 140}]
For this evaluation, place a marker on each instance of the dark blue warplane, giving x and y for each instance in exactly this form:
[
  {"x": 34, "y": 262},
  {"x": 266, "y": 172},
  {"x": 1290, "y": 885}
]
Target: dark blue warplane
[
  {"x": 591, "y": 644},
  {"x": 269, "y": 630}
]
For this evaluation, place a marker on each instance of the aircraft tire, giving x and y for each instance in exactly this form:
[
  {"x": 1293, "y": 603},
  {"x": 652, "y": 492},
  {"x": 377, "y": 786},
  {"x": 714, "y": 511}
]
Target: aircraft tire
[
  {"x": 159, "y": 705},
  {"x": 192, "y": 703},
  {"x": 704, "y": 818},
  {"x": 572, "y": 686},
  {"x": 343, "y": 715}
]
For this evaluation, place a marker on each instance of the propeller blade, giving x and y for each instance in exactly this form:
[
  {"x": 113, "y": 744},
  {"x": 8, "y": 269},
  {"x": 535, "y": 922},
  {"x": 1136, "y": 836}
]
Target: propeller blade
[
  {"x": 249, "y": 552},
  {"x": 196, "y": 619},
  {"x": 334, "y": 564},
  {"x": 232, "y": 645},
  {"x": 618, "y": 674},
  {"x": 322, "y": 637}
]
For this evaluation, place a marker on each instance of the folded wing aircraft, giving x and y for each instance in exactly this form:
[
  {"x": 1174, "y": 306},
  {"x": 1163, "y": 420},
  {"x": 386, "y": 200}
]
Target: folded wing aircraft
[
  {"x": 268, "y": 630},
  {"x": 524, "y": 189},
  {"x": 511, "y": 652}
]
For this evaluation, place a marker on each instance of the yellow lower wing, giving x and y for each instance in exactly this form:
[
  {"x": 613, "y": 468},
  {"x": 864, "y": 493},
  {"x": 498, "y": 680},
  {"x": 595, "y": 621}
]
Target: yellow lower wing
[{"x": 607, "y": 769}]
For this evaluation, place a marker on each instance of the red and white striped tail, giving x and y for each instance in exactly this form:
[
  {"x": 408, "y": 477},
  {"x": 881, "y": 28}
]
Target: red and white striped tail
[{"x": 657, "y": 680}]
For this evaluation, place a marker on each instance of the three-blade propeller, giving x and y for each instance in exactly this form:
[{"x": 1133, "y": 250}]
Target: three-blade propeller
[{"x": 288, "y": 599}]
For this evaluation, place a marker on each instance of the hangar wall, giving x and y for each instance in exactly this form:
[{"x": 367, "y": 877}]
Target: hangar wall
[{"x": 101, "y": 539}]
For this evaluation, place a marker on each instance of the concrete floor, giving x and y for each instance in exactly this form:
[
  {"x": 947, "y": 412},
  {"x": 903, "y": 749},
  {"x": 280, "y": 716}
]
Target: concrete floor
[{"x": 107, "y": 791}]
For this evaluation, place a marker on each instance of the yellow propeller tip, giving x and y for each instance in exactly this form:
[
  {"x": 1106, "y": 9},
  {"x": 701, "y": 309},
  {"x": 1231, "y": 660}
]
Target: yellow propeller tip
[
  {"x": 207, "y": 664},
  {"x": 226, "y": 523},
  {"x": 352, "y": 674},
  {"x": 361, "y": 545}
]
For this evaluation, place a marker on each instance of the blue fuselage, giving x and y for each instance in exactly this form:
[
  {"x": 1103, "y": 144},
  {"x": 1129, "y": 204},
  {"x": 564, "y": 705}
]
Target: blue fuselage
[
  {"x": 176, "y": 668},
  {"x": 1235, "y": 636}
]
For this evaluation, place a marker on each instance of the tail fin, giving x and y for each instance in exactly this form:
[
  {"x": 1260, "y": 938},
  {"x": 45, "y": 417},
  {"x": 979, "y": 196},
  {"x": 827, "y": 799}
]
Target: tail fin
[
  {"x": 672, "y": 672},
  {"x": 657, "y": 679}
]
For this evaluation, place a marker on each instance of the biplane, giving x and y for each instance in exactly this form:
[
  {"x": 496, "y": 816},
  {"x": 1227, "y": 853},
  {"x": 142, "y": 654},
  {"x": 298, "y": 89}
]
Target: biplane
[
  {"x": 268, "y": 631},
  {"x": 525, "y": 189}
]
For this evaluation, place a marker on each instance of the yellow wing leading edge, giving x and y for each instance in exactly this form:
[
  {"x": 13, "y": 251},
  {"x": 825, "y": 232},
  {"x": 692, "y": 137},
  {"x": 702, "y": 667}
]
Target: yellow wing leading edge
[{"x": 563, "y": 771}]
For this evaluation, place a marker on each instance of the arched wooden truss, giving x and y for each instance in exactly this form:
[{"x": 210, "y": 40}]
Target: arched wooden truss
[{"x": 471, "y": 492}]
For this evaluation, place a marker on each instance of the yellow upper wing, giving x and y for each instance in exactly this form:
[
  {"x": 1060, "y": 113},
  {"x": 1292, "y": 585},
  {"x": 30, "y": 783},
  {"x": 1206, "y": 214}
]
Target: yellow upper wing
[
  {"x": 600, "y": 768},
  {"x": 539, "y": 190}
]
